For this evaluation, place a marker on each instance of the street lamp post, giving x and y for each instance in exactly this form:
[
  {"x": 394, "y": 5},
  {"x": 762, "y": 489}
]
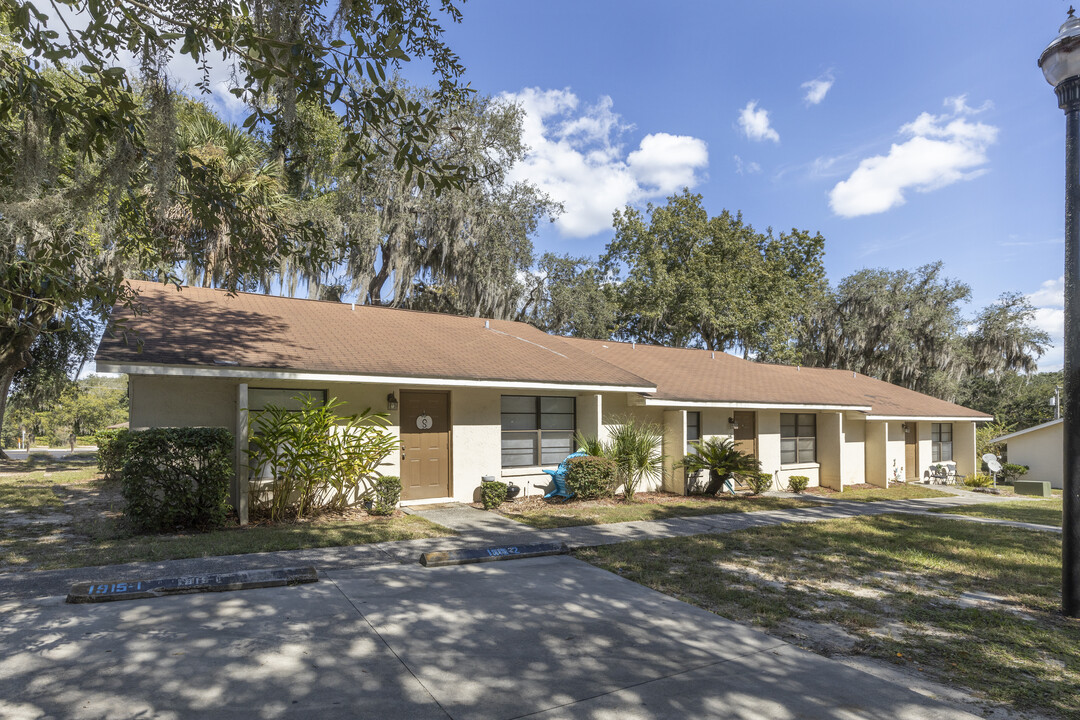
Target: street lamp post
[{"x": 1060, "y": 63}]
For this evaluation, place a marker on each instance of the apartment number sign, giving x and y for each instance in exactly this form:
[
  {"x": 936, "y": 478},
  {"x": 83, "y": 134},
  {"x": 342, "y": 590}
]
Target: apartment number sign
[{"x": 423, "y": 421}]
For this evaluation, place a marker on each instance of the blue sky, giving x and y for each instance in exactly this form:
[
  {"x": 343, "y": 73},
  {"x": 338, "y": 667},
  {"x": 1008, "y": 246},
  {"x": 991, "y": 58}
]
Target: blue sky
[
  {"x": 905, "y": 132},
  {"x": 933, "y": 136}
]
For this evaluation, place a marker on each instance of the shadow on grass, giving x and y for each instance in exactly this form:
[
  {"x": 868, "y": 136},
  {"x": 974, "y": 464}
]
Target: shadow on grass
[{"x": 1016, "y": 646}]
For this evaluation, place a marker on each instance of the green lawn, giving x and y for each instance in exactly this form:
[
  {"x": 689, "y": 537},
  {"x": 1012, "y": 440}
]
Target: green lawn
[
  {"x": 893, "y": 586},
  {"x": 648, "y": 506},
  {"x": 57, "y": 514},
  {"x": 1040, "y": 512},
  {"x": 876, "y": 494}
]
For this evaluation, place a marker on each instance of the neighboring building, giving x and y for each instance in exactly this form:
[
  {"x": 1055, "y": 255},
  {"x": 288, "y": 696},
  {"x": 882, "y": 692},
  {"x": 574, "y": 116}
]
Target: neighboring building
[
  {"x": 1040, "y": 448},
  {"x": 482, "y": 397}
]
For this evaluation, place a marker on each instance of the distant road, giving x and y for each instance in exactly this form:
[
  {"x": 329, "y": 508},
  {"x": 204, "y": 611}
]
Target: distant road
[{"x": 55, "y": 452}]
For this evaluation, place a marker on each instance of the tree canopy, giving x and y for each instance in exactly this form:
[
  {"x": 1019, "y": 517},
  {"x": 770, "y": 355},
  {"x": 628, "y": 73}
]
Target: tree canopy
[{"x": 688, "y": 280}]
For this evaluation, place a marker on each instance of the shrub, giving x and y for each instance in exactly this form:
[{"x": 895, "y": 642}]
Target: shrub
[
  {"x": 978, "y": 480},
  {"x": 385, "y": 494},
  {"x": 315, "y": 459},
  {"x": 176, "y": 477},
  {"x": 591, "y": 477},
  {"x": 758, "y": 482},
  {"x": 721, "y": 458},
  {"x": 112, "y": 446},
  {"x": 492, "y": 493},
  {"x": 798, "y": 483},
  {"x": 1010, "y": 472}
]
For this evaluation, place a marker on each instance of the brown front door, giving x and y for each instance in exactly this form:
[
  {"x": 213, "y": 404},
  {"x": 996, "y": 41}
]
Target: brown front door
[
  {"x": 746, "y": 432},
  {"x": 425, "y": 445},
  {"x": 911, "y": 452}
]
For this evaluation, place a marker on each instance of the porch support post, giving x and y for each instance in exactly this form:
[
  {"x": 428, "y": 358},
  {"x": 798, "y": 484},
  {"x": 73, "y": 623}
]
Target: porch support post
[
  {"x": 964, "y": 448},
  {"x": 831, "y": 450},
  {"x": 590, "y": 415},
  {"x": 876, "y": 452},
  {"x": 674, "y": 448},
  {"x": 239, "y": 494}
]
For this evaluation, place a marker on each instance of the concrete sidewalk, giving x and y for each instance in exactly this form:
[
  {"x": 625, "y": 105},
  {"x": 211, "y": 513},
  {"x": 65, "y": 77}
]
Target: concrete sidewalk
[
  {"x": 549, "y": 637},
  {"x": 477, "y": 528}
]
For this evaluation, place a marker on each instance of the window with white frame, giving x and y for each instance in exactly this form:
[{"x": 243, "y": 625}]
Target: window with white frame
[
  {"x": 798, "y": 438},
  {"x": 941, "y": 442},
  {"x": 537, "y": 430},
  {"x": 693, "y": 429}
]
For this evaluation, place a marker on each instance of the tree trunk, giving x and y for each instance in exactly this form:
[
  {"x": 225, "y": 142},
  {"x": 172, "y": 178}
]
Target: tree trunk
[{"x": 6, "y": 376}]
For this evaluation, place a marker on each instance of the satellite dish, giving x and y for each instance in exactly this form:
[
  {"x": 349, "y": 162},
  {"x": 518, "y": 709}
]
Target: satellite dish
[{"x": 992, "y": 463}]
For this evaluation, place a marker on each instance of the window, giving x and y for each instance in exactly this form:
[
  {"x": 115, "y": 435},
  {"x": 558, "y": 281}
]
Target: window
[
  {"x": 259, "y": 398},
  {"x": 537, "y": 430},
  {"x": 798, "y": 438},
  {"x": 693, "y": 428},
  {"x": 940, "y": 442}
]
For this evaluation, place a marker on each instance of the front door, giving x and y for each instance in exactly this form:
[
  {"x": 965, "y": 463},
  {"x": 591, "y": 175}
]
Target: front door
[
  {"x": 911, "y": 452},
  {"x": 425, "y": 445},
  {"x": 745, "y": 431}
]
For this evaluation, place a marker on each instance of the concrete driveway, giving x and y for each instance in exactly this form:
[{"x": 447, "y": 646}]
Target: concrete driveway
[{"x": 547, "y": 638}]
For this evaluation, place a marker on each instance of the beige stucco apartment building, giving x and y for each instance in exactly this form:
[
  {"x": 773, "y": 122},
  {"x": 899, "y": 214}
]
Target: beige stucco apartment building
[
  {"x": 1040, "y": 449},
  {"x": 469, "y": 397}
]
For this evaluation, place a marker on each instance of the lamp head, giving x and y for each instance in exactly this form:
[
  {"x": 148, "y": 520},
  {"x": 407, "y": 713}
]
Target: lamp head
[{"x": 1061, "y": 58}]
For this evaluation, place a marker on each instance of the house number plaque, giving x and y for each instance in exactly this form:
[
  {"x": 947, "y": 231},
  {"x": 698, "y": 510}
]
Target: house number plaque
[{"x": 423, "y": 421}]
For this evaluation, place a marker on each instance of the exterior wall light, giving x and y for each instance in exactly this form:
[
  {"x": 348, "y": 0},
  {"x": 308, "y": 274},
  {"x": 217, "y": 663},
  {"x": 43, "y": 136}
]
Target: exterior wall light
[{"x": 391, "y": 402}]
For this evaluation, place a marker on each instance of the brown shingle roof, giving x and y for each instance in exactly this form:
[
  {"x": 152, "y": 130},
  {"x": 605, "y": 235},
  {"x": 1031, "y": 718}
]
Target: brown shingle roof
[
  {"x": 204, "y": 327},
  {"x": 682, "y": 374}
]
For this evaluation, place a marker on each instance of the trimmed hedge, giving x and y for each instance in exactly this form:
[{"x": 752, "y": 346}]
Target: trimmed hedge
[
  {"x": 176, "y": 477},
  {"x": 385, "y": 493},
  {"x": 758, "y": 482},
  {"x": 492, "y": 493},
  {"x": 591, "y": 477},
  {"x": 798, "y": 483},
  {"x": 111, "y": 446}
]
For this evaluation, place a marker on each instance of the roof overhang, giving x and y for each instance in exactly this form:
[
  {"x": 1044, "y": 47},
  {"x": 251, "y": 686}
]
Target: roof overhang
[
  {"x": 659, "y": 402},
  {"x": 240, "y": 373},
  {"x": 1025, "y": 431},
  {"x": 929, "y": 418}
]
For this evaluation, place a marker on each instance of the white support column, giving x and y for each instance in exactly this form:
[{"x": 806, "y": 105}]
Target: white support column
[
  {"x": 831, "y": 449},
  {"x": 674, "y": 448},
  {"x": 590, "y": 414},
  {"x": 876, "y": 445},
  {"x": 240, "y": 479}
]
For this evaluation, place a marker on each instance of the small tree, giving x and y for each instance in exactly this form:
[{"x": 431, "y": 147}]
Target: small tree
[
  {"x": 316, "y": 459},
  {"x": 721, "y": 458}
]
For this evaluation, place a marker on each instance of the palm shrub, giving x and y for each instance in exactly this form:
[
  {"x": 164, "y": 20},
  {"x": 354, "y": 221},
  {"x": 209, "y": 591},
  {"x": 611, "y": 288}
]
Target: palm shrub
[
  {"x": 315, "y": 459},
  {"x": 722, "y": 459},
  {"x": 979, "y": 480},
  {"x": 1011, "y": 472},
  {"x": 634, "y": 448}
]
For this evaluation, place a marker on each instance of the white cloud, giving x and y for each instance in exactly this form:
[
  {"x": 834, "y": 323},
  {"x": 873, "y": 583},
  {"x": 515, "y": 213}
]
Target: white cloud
[
  {"x": 817, "y": 88},
  {"x": 1049, "y": 302},
  {"x": 755, "y": 123},
  {"x": 574, "y": 156},
  {"x": 942, "y": 150},
  {"x": 748, "y": 168}
]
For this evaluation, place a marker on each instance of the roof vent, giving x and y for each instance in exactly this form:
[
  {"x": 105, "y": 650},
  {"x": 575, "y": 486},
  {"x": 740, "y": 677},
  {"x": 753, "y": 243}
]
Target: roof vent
[
  {"x": 226, "y": 362},
  {"x": 633, "y": 346},
  {"x": 713, "y": 355},
  {"x": 487, "y": 324},
  {"x": 854, "y": 375},
  {"x": 354, "y": 306}
]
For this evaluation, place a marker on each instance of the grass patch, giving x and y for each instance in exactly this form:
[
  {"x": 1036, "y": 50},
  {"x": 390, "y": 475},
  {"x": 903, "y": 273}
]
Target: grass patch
[
  {"x": 1040, "y": 512},
  {"x": 871, "y": 493},
  {"x": 41, "y": 552},
  {"x": 895, "y": 585},
  {"x": 87, "y": 526},
  {"x": 537, "y": 513}
]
